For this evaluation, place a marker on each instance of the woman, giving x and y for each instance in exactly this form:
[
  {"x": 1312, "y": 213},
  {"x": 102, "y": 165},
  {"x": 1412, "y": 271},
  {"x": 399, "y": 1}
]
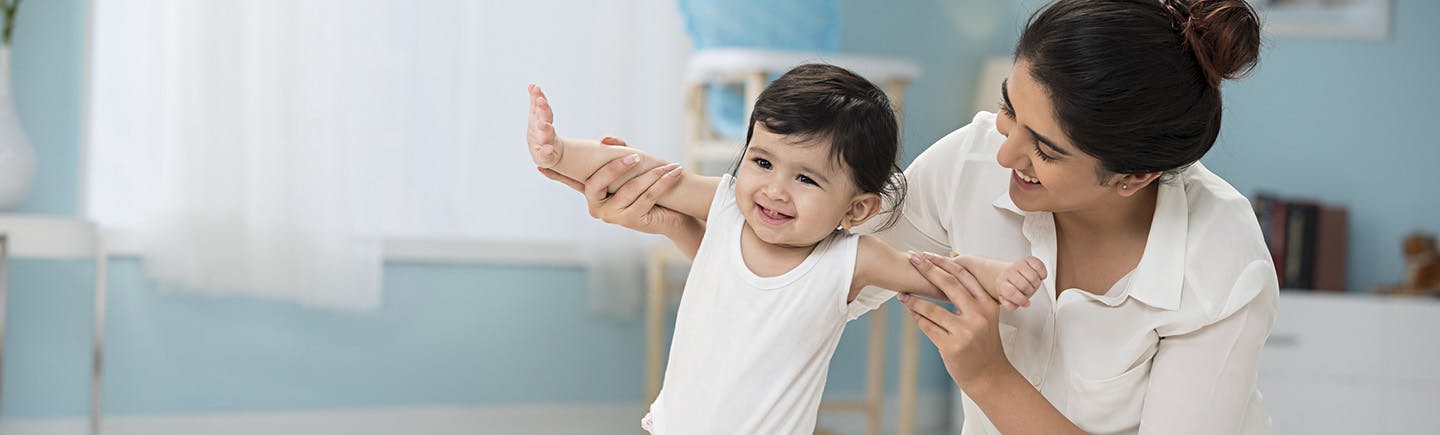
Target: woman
[{"x": 1162, "y": 291}]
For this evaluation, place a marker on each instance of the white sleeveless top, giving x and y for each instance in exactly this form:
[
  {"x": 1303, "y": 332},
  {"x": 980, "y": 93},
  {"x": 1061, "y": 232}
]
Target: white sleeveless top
[{"x": 750, "y": 353}]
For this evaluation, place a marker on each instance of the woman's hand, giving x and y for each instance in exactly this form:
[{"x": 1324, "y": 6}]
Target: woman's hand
[
  {"x": 633, "y": 205},
  {"x": 969, "y": 338}
]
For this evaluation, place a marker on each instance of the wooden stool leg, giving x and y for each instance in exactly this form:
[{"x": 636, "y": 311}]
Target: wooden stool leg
[
  {"x": 875, "y": 372},
  {"x": 908, "y": 344},
  {"x": 654, "y": 321}
]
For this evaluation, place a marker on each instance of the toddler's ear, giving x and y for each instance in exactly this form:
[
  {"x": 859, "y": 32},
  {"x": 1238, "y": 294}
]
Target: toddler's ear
[{"x": 863, "y": 207}]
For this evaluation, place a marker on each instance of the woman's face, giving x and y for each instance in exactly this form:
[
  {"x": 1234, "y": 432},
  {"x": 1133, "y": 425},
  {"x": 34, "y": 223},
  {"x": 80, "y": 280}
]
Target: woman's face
[{"x": 1048, "y": 172}]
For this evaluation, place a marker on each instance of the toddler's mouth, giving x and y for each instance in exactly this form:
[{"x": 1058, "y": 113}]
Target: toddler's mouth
[{"x": 773, "y": 217}]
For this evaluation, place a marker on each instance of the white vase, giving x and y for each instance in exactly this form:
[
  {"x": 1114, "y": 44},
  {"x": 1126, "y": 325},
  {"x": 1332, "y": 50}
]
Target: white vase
[{"x": 17, "y": 157}]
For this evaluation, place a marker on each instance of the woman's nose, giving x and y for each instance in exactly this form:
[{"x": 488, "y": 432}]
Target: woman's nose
[{"x": 1010, "y": 155}]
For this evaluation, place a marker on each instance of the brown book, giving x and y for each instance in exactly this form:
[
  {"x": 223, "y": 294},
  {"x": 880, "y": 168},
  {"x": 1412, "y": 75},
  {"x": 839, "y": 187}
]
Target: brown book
[
  {"x": 1331, "y": 248},
  {"x": 1295, "y": 253}
]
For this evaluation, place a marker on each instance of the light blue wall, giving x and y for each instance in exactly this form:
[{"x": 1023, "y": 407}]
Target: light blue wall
[
  {"x": 48, "y": 59},
  {"x": 1346, "y": 122},
  {"x": 486, "y": 334},
  {"x": 47, "y": 338},
  {"x": 949, "y": 39}
]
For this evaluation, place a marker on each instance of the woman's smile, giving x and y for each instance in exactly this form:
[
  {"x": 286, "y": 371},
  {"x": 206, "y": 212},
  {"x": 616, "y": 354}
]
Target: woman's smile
[{"x": 1024, "y": 182}]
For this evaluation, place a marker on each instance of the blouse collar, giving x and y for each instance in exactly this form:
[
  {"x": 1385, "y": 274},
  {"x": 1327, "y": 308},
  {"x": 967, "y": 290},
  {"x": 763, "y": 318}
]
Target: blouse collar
[{"x": 1158, "y": 278}]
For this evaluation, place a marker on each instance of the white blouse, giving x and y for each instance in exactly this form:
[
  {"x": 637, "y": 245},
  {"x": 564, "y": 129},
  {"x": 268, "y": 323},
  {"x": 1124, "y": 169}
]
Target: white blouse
[{"x": 1173, "y": 348}]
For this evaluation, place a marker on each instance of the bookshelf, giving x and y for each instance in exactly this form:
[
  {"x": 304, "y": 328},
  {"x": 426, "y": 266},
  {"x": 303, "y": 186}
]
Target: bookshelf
[{"x": 1308, "y": 241}]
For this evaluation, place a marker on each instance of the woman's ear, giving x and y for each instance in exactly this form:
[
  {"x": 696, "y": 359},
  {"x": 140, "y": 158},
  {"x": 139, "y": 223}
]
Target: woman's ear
[
  {"x": 1128, "y": 184},
  {"x": 863, "y": 207}
]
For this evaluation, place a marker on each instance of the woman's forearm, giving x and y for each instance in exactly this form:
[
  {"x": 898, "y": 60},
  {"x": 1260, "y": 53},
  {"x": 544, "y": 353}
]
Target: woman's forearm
[{"x": 1016, "y": 407}]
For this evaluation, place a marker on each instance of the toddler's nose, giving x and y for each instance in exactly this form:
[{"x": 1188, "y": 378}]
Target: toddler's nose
[{"x": 774, "y": 192}]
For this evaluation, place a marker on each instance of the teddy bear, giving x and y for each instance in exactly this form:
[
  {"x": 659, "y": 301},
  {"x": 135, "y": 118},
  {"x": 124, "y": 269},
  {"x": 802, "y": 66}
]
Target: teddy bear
[{"x": 1422, "y": 266}]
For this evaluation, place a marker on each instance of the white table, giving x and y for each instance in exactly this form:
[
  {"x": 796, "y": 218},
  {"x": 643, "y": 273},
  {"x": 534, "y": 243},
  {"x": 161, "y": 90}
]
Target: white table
[{"x": 58, "y": 238}]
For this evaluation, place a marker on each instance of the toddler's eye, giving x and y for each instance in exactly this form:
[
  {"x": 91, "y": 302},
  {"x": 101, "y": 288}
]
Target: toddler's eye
[
  {"x": 806, "y": 180},
  {"x": 762, "y": 163}
]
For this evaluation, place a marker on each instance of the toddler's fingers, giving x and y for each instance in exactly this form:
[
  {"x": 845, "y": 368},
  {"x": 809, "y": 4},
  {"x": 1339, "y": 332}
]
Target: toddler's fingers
[
  {"x": 1037, "y": 265},
  {"x": 535, "y": 95},
  {"x": 1020, "y": 284},
  {"x": 1018, "y": 299},
  {"x": 1010, "y": 293},
  {"x": 1028, "y": 273},
  {"x": 545, "y": 113},
  {"x": 536, "y": 133}
]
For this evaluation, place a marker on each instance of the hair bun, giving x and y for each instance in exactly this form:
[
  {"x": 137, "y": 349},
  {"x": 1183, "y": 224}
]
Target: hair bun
[{"x": 1224, "y": 36}]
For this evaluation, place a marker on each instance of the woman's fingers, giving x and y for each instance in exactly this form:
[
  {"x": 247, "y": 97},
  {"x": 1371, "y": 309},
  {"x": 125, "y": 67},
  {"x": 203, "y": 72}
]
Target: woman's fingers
[
  {"x": 551, "y": 174},
  {"x": 611, "y": 140},
  {"x": 669, "y": 177},
  {"x": 935, "y": 314},
  {"x": 934, "y": 332},
  {"x": 635, "y": 190},
  {"x": 967, "y": 280},
  {"x": 942, "y": 280},
  {"x": 947, "y": 283},
  {"x": 598, "y": 185}
]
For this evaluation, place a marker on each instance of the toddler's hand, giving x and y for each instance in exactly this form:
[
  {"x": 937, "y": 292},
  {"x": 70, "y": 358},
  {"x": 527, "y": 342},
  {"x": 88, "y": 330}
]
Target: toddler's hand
[
  {"x": 545, "y": 146},
  {"x": 1019, "y": 282}
]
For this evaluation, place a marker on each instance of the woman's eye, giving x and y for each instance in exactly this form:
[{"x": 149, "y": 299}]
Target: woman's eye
[
  {"x": 762, "y": 163},
  {"x": 806, "y": 180},
  {"x": 1042, "y": 155}
]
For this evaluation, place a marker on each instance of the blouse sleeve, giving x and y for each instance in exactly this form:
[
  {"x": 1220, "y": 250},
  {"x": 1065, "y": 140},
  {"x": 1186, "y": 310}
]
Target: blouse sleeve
[{"x": 1203, "y": 381}]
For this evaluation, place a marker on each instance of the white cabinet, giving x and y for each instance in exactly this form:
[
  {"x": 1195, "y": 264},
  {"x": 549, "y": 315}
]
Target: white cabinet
[
  {"x": 1339, "y": 363},
  {"x": 1346, "y": 363}
]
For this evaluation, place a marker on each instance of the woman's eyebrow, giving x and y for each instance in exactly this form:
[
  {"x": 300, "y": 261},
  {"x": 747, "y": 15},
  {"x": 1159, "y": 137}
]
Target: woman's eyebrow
[
  {"x": 1047, "y": 142},
  {"x": 1005, "y": 94}
]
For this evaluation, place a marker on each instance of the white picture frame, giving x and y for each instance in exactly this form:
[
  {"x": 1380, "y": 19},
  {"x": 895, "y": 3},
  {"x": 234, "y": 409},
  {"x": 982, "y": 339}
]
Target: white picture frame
[{"x": 1337, "y": 19}]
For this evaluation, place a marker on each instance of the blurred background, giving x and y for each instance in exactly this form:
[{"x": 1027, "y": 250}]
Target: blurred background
[{"x": 319, "y": 217}]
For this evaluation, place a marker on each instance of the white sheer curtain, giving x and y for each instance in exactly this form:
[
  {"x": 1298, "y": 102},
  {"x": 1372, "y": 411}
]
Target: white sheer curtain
[{"x": 267, "y": 147}]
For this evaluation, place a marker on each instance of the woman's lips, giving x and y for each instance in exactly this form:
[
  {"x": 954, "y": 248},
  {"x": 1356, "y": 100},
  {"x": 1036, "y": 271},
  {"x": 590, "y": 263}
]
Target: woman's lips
[{"x": 1020, "y": 181}]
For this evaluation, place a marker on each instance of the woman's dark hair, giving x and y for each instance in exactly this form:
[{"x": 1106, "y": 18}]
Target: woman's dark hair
[
  {"x": 1136, "y": 83},
  {"x": 818, "y": 102}
]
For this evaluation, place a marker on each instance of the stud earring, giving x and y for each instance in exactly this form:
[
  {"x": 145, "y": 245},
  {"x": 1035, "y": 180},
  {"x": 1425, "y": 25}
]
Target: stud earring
[{"x": 1125, "y": 186}]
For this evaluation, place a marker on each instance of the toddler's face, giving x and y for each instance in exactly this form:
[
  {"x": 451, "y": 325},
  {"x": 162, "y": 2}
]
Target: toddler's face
[{"x": 792, "y": 193}]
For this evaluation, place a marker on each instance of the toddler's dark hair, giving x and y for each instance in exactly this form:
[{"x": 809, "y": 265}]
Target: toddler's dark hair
[{"x": 827, "y": 102}]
